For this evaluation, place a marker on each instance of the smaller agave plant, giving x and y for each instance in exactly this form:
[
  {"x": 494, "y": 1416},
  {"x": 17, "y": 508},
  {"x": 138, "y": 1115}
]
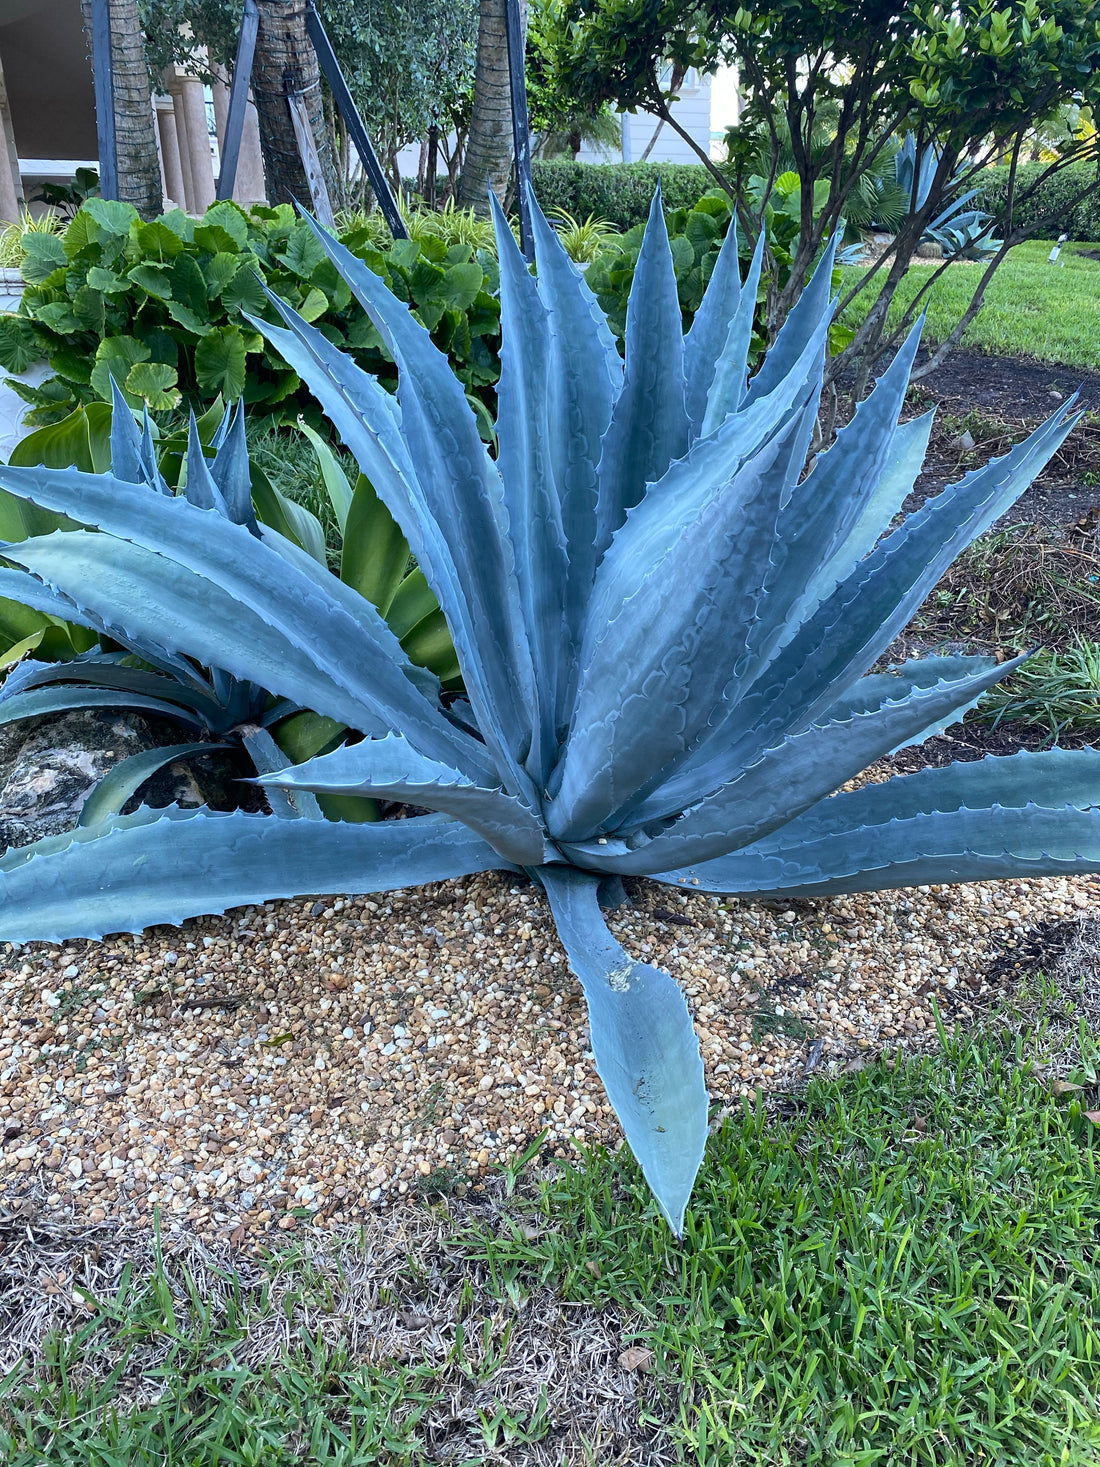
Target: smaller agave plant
[{"x": 666, "y": 631}]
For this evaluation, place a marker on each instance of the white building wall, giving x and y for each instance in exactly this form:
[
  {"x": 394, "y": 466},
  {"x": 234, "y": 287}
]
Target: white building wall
[{"x": 692, "y": 110}]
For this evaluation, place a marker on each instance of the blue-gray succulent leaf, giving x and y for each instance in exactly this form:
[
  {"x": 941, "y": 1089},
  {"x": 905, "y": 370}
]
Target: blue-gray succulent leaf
[
  {"x": 649, "y": 422},
  {"x": 645, "y": 1047},
  {"x": 369, "y": 421},
  {"x": 271, "y": 593},
  {"x": 814, "y": 305},
  {"x": 584, "y": 377},
  {"x": 123, "y": 780},
  {"x": 804, "y": 768},
  {"x": 710, "y": 329},
  {"x": 1053, "y": 779},
  {"x": 163, "y": 866},
  {"x": 731, "y": 370},
  {"x": 391, "y": 769},
  {"x": 995, "y": 844},
  {"x": 463, "y": 493},
  {"x": 292, "y": 640},
  {"x": 200, "y": 488},
  {"x": 268, "y": 758},
  {"x": 853, "y": 627},
  {"x": 230, "y": 470},
  {"x": 530, "y": 488},
  {"x": 655, "y": 665},
  {"x": 695, "y": 780},
  {"x": 108, "y": 670},
  {"x": 67, "y": 697},
  {"x": 126, "y": 457},
  {"x": 920, "y": 672},
  {"x": 20, "y": 585}
]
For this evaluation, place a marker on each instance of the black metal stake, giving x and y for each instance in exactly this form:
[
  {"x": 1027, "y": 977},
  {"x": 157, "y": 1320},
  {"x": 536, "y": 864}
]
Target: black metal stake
[
  {"x": 104, "y": 77},
  {"x": 238, "y": 101},
  {"x": 354, "y": 124},
  {"x": 521, "y": 128}
]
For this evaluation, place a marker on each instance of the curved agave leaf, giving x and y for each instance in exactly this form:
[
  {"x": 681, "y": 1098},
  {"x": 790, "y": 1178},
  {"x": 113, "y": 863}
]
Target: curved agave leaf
[
  {"x": 530, "y": 491},
  {"x": 649, "y": 422},
  {"x": 646, "y": 1051},
  {"x": 584, "y": 377},
  {"x": 320, "y": 619},
  {"x": 805, "y": 766},
  {"x": 267, "y": 757},
  {"x": 462, "y": 492},
  {"x": 391, "y": 769},
  {"x": 125, "y": 778},
  {"x": 367, "y": 419},
  {"x": 165, "y": 866},
  {"x": 812, "y": 307},
  {"x": 731, "y": 370},
  {"x": 710, "y": 328},
  {"x": 41, "y": 702},
  {"x": 945, "y": 847}
]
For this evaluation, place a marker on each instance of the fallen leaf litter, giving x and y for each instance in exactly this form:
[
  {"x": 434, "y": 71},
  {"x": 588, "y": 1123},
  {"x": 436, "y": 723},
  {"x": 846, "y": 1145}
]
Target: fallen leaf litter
[{"x": 310, "y": 1060}]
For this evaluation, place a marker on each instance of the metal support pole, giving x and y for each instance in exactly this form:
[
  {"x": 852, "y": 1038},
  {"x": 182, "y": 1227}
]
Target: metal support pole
[
  {"x": 104, "y": 76},
  {"x": 354, "y": 124},
  {"x": 521, "y": 128},
  {"x": 238, "y": 100}
]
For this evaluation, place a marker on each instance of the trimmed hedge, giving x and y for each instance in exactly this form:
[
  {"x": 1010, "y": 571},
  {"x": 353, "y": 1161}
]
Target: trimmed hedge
[
  {"x": 1052, "y": 208},
  {"x": 618, "y": 192}
]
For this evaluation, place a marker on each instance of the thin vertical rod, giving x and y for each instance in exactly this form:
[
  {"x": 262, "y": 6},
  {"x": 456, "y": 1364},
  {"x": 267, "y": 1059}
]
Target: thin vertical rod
[
  {"x": 238, "y": 100},
  {"x": 521, "y": 128},
  {"x": 354, "y": 124},
  {"x": 104, "y": 76}
]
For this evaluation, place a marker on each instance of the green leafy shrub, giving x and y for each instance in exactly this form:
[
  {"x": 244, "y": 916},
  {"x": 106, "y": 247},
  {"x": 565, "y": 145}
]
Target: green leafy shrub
[
  {"x": 1053, "y": 209},
  {"x": 617, "y": 192},
  {"x": 158, "y": 306},
  {"x": 664, "y": 632}
]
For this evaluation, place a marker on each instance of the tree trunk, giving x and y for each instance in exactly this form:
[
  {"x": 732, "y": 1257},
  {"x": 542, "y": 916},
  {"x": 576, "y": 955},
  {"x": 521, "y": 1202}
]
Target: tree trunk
[
  {"x": 285, "y": 61},
  {"x": 489, "y": 145},
  {"x": 139, "y": 179}
]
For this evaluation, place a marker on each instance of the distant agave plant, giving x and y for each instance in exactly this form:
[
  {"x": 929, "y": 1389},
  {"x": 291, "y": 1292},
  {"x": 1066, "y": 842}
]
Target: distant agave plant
[{"x": 664, "y": 632}]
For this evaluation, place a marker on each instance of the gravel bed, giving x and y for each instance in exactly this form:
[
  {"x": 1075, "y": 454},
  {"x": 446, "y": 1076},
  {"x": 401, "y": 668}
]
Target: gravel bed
[{"x": 309, "y": 1061}]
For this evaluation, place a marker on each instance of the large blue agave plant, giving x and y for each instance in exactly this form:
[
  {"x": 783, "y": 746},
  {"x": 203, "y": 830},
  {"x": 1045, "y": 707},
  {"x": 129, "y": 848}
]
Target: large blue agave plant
[{"x": 664, "y": 631}]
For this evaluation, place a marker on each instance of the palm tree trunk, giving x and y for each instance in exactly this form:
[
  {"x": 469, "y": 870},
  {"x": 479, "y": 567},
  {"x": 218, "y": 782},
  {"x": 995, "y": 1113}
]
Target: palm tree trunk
[
  {"x": 139, "y": 178},
  {"x": 489, "y": 147},
  {"x": 285, "y": 61}
]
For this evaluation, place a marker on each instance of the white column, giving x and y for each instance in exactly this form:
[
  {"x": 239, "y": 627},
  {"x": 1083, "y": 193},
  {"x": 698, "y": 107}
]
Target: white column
[
  {"x": 170, "y": 154},
  {"x": 192, "y": 103},
  {"x": 248, "y": 185},
  {"x": 11, "y": 188}
]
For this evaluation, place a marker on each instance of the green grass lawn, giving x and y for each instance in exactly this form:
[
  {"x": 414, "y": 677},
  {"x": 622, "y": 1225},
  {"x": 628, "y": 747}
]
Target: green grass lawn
[
  {"x": 1031, "y": 309},
  {"x": 900, "y": 1266}
]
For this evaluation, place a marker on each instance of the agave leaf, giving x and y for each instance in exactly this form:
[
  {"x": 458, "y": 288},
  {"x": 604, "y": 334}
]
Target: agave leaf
[
  {"x": 1053, "y": 779},
  {"x": 267, "y": 757},
  {"x": 695, "y": 781},
  {"x": 18, "y": 586},
  {"x": 584, "y": 376},
  {"x": 159, "y": 603},
  {"x": 730, "y": 381},
  {"x": 65, "y": 699},
  {"x": 200, "y": 488},
  {"x": 126, "y": 777},
  {"x": 812, "y": 307},
  {"x": 391, "y": 769},
  {"x": 655, "y": 669},
  {"x": 367, "y": 419},
  {"x": 107, "y": 670},
  {"x": 806, "y": 766},
  {"x": 530, "y": 491},
  {"x": 165, "y": 866},
  {"x": 320, "y": 619},
  {"x": 646, "y": 1051},
  {"x": 945, "y": 847},
  {"x": 133, "y": 453},
  {"x": 855, "y": 625},
  {"x": 649, "y": 422},
  {"x": 231, "y": 471},
  {"x": 462, "y": 493},
  {"x": 709, "y": 330}
]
